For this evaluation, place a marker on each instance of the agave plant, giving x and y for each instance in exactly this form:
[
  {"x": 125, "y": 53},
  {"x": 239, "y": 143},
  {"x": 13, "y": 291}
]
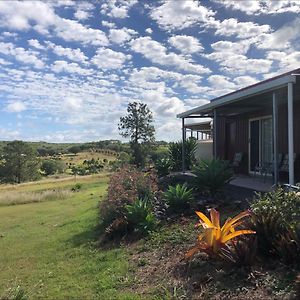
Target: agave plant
[
  {"x": 214, "y": 237},
  {"x": 178, "y": 197},
  {"x": 212, "y": 175}
]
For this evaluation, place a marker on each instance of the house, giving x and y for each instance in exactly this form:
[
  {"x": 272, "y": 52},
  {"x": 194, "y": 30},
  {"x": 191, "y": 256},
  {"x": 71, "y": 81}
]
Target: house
[{"x": 262, "y": 121}]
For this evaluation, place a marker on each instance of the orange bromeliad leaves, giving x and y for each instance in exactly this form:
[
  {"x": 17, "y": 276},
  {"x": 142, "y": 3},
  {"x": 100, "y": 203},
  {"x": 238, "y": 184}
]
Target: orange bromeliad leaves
[{"x": 214, "y": 237}]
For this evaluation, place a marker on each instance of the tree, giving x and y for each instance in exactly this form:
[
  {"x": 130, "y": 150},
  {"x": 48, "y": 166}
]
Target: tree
[
  {"x": 50, "y": 167},
  {"x": 137, "y": 125},
  {"x": 20, "y": 162},
  {"x": 74, "y": 149}
]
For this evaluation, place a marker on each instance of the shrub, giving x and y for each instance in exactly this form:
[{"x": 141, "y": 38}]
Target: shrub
[
  {"x": 76, "y": 187},
  {"x": 286, "y": 205},
  {"x": 50, "y": 167},
  {"x": 125, "y": 186},
  {"x": 212, "y": 175},
  {"x": 276, "y": 218},
  {"x": 241, "y": 252},
  {"x": 175, "y": 154},
  {"x": 140, "y": 216},
  {"x": 178, "y": 197},
  {"x": 163, "y": 166}
]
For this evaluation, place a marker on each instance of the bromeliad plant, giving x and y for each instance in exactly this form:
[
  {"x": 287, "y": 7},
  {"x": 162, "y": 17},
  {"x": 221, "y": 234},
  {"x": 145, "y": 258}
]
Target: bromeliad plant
[{"x": 214, "y": 237}]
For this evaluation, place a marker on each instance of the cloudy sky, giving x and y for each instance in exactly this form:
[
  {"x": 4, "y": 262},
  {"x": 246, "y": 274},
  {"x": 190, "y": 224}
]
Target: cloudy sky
[{"x": 68, "y": 69}]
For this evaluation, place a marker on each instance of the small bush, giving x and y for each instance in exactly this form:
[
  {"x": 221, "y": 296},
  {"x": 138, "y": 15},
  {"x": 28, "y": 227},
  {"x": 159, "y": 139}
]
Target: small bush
[
  {"x": 125, "y": 186},
  {"x": 276, "y": 219},
  {"x": 140, "y": 216},
  {"x": 50, "y": 167},
  {"x": 241, "y": 252},
  {"x": 212, "y": 175},
  {"x": 175, "y": 154},
  {"x": 163, "y": 166},
  {"x": 178, "y": 197},
  {"x": 76, "y": 187}
]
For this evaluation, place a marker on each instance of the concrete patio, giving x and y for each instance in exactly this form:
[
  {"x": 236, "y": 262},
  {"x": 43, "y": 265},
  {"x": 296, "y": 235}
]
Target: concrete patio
[{"x": 258, "y": 184}]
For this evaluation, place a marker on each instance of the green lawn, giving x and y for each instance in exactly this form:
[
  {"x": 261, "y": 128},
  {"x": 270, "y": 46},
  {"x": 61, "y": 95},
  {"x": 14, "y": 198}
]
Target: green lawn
[{"x": 50, "y": 250}]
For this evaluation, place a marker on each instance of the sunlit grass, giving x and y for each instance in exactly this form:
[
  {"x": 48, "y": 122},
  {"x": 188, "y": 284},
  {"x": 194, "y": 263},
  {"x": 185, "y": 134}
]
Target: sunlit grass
[{"x": 49, "y": 249}]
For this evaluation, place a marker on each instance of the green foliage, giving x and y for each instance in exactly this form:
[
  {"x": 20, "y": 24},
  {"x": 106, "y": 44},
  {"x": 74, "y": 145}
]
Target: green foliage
[
  {"x": 77, "y": 187},
  {"x": 286, "y": 205},
  {"x": 137, "y": 125},
  {"x": 74, "y": 149},
  {"x": 92, "y": 166},
  {"x": 125, "y": 186},
  {"x": 175, "y": 154},
  {"x": 276, "y": 220},
  {"x": 19, "y": 163},
  {"x": 212, "y": 175},
  {"x": 287, "y": 246},
  {"x": 50, "y": 167},
  {"x": 163, "y": 167},
  {"x": 241, "y": 252},
  {"x": 178, "y": 197},
  {"x": 140, "y": 216}
]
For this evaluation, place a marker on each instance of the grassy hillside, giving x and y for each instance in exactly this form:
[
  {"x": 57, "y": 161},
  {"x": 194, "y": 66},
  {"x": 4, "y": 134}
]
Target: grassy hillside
[{"x": 49, "y": 249}]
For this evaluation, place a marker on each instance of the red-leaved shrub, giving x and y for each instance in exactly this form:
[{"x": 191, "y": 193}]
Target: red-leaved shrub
[{"x": 125, "y": 186}]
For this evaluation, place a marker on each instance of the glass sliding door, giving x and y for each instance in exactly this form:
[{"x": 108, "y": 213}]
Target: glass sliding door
[
  {"x": 266, "y": 141},
  {"x": 260, "y": 143}
]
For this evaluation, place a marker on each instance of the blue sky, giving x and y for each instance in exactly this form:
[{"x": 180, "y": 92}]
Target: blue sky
[{"x": 68, "y": 68}]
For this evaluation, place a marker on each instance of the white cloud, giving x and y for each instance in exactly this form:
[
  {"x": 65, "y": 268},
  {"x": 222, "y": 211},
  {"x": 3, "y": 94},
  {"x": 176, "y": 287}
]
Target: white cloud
[
  {"x": 173, "y": 15},
  {"x": 186, "y": 44},
  {"x": 62, "y": 66},
  {"x": 263, "y": 6},
  {"x": 157, "y": 53},
  {"x": 16, "y": 107},
  {"x": 117, "y": 8},
  {"x": 106, "y": 59},
  {"x": 35, "y": 44},
  {"x": 285, "y": 61},
  {"x": 108, "y": 24},
  {"x": 81, "y": 15},
  {"x": 149, "y": 30},
  {"x": 223, "y": 47},
  {"x": 41, "y": 17},
  {"x": 21, "y": 55},
  {"x": 71, "y": 104},
  {"x": 232, "y": 27},
  {"x": 119, "y": 36},
  {"x": 283, "y": 38},
  {"x": 72, "y": 54}
]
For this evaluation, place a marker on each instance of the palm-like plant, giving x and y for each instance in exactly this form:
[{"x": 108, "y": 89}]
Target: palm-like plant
[
  {"x": 212, "y": 175},
  {"x": 175, "y": 154},
  {"x": 178, "y": 197},
  {"x": 214, "y": 237}
]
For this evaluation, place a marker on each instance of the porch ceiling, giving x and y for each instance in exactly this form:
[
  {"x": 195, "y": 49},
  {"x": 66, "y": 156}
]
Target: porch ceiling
[{"x": 250, "y": 99}]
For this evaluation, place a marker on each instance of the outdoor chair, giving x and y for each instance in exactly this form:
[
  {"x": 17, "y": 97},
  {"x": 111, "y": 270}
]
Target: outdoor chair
[
  {"x": 237, "y": 160},
  {"x": 267, "y": 168},
  {"x": 284, "y": 168}
]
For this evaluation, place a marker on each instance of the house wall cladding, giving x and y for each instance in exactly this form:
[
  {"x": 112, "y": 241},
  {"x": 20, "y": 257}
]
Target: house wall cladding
[{"x": 241, "y": 133}]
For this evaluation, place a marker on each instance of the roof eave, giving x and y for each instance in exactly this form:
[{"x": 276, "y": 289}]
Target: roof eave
[{"x": 240, "y": 95}]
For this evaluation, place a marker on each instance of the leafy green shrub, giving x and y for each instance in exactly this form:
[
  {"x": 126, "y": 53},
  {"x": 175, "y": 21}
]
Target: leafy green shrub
[
  {"x": 276, "y": 220},
  {"x": 285, "y": 204},
  {"x": 140, "y": 216},
  {"x": 178, "y": 197},
  {"x": 76, "y": 187},
  {"x": 163, "y": 166},
  {"x": 125, "y": 186},
  {"x": 212, "y": 175},
  {"x": 175, "y": 154},
  {"x": 50, "y": 167}
]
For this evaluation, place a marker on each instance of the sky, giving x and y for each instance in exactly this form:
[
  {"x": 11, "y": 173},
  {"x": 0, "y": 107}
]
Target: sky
[{"x": 68, "y": 69}]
